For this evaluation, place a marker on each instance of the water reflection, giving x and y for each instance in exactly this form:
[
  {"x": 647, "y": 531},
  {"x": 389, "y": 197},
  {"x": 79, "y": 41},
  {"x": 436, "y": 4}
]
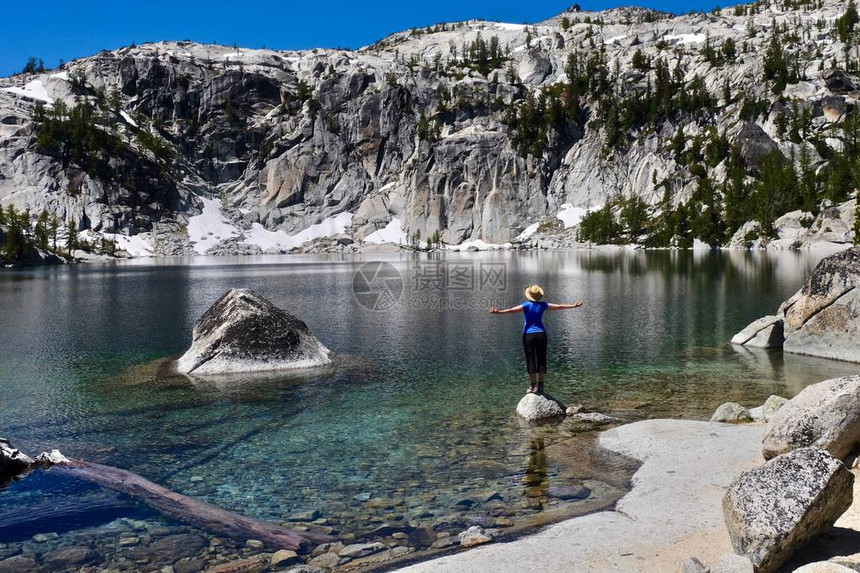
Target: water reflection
[{"x": 536, "y": 469}]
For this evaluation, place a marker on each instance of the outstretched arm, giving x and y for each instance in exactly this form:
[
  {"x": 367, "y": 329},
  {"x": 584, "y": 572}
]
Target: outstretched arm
[
  {"x": 575, "y": 304},
  {"x": 517, "y": 308}
]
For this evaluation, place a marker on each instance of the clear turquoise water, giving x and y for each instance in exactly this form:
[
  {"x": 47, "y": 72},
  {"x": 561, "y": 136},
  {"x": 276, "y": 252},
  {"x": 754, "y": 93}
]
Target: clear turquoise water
[{"x": 417, "y": 410}]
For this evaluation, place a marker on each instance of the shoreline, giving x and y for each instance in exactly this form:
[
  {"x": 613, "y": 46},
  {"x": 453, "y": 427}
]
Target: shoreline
[
  {"x": 389, "y": 249},
  {"x": 690, "y": 461},
  {"x": 672, "y": 512}
]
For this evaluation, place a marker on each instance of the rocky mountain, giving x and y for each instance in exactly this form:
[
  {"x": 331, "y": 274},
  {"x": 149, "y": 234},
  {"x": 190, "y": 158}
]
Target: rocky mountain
[{"x": 482, "y": 132}]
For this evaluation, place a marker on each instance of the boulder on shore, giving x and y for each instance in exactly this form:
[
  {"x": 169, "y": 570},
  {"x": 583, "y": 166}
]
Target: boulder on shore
[
  {"x": 772, "y": 405},
  {"x": 732, "y": 413},
  {"x": 244, "y": 332},
  {"x": 540, "y": 408},
  {"x": 731, "y": 563},
  {"x": 773, "y": 510},
  {"x": 821, "y": 319},
  {"x": 825, "y": 415},
  {"x": 475, "y": 535}
]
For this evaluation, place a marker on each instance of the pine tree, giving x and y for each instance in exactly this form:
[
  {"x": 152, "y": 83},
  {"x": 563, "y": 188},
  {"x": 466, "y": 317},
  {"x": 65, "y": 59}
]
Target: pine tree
[
  {"x": 53, "y": 229},
  {"x": 512, "y": 76},
  {"x": 856, "y": 228},
  {"x": 640, "y": 61},
  {"x": 729, "y": 50},
  {"x": 707, "y": 224},
  {"x": 303, "y": 91},
  {"x": 15, "y": 240},
  {"x": 115, "y": 100},
  {"x": 807, "y": 188},
  {"x": 677, "y": 145},
  {"x": 735, "y": 192},
  {"x": 72, "y": 236},
  {"x": 634, "y": 216},
  {"x": 41, "y": 233},
  {"x": 30, "y": 67},
  {"x": 599, "y": 226},
  {"x": 847, "y": 22},
  {"x": 775, "y": 191},
  {"x": 436, "y": 239},
  {"x": 776, "y": 67}
]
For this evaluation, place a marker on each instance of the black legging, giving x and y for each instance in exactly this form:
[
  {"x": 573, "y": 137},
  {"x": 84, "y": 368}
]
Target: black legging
[{"x": 534, "y": 343}]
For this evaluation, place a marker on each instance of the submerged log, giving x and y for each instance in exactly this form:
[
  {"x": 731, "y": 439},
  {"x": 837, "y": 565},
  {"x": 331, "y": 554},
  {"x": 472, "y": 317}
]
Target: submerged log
[{"x": 177, "y": 506}]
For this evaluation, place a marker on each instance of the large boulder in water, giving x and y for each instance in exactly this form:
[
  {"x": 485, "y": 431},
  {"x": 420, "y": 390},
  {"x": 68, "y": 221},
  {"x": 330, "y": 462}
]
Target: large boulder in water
[
  {"x": 244, "y": 332},
  {"x": 775, "y": 509},
  {"x": 766, "y": 332},
  {"x": 825, "y": 415},
  {"x": 536, "y": 408},
  {"x": 821, "y": 319}
]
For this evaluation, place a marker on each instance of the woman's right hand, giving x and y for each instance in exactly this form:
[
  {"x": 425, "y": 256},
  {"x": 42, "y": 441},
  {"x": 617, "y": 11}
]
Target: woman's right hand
[{"x": 494, "y": 310}]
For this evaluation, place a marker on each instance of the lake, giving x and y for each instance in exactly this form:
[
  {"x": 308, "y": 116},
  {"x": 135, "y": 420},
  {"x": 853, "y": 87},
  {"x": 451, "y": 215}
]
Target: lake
[{"x": 413, "y": 422}]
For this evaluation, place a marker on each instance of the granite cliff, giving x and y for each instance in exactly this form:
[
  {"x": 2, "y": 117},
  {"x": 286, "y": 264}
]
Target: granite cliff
[{"x": 475, "y": 130}]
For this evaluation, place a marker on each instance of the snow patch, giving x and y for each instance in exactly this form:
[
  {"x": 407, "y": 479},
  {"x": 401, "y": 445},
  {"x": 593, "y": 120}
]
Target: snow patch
[
  {"x": 33, "y": 90},
  {"x": 571, "y": 215},
  {"x": 61, "y": 76},
  {"x": 528, "y": 232},
  {"x": 392, "y": 233},
  {"x": 210, "y": 227},
  {"x": 266, "y": 239},
  {"x": 686, "y": 38},
  {"x": 279, "y": 240},
  {"x": 327, "y": 228},
  {"x": 508, "y": 26},
  {"x": 614, "y": 39},
  {"x": 134, "y": 245},
  {"x": 128, "y": 118},
  {"x": 479, "y": 245}
]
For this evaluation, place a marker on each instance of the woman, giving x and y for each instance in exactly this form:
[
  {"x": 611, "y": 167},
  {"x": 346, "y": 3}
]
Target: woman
[{"x": 534, "y": 333}]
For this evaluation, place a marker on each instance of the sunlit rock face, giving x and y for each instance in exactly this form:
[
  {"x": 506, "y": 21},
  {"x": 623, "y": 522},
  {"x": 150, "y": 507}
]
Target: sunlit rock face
[{"x": 405, "y": 132}]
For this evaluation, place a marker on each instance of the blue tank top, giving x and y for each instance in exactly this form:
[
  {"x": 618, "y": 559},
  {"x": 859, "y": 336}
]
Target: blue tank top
[{"x": 533, "y": 312}]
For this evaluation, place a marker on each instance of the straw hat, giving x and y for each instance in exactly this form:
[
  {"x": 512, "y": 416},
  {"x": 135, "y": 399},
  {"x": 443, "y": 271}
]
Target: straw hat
[{"x": 534, "y": 293}]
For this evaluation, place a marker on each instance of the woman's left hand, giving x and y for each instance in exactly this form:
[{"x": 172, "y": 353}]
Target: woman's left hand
[{"x": 576, "y": 304}]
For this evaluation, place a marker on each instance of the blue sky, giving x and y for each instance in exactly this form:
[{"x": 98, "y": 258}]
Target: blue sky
[{"x": 69, "y": 29}]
